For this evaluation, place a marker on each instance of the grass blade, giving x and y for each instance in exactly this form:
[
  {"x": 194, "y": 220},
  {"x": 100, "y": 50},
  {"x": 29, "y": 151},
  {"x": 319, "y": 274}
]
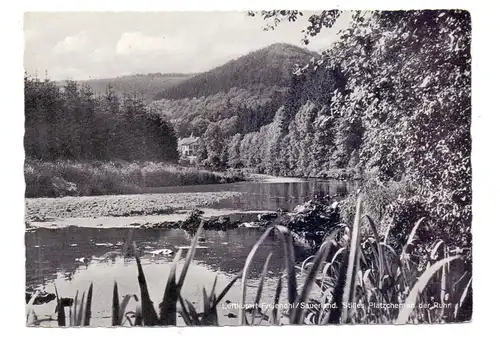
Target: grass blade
[
  {"x": 168, "y": 307},
  {"x": 350, "y": 285},
  {"x": 276, "y": 300},
  {"x": 411, "y": 300},
  {"x": 212, "y": 291},
  {"x": 248, "y": 261},
  {"x": 138, "y": 314},
  {"x": 411, "y": 237},
  {"x": 88, "y": 306},
  {"x": 381, "y": 257},
  {"x": 287, "y": 238},
  {"x": 30, "y": 315},
  {"x": 189, "y": 257},
  {"x": 289, "y": 266},
  {"x": 61, "y": 315},
  {"x": 297, "y": 316},
  {"x": 206, "y": 301},
  {"x": 338, "y": 291},
  {"x": 227, "y": 288},
  {"x": 260, "y": 287},
  {"x": 115, "y": 310},
  {"x": 185, "y": 313},
  {"x": 123, "y": 307},
  {"x": 74, "y": 315},
  {"x": 462, "y": 298},
  {"x": 193, "y": 315},
  {"x": 80, "y": 312},
  {"x": 148, "y": 311}
]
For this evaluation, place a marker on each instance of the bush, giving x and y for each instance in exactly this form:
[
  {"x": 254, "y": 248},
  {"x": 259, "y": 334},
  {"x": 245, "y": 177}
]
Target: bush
[{"x": 378, "y": 195}]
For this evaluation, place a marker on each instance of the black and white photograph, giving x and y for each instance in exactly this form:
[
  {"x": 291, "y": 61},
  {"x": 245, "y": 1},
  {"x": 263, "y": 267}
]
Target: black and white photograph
[{"x": 247, "y": 168}]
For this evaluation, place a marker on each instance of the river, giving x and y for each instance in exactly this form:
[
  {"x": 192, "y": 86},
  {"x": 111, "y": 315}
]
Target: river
[{"x": 73, "y": 257}]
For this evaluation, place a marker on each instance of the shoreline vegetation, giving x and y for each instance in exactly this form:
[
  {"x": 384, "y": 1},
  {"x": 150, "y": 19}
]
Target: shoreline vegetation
[
  {"x": 353, "y": 264},
  {"x": 91, "y": 178}
]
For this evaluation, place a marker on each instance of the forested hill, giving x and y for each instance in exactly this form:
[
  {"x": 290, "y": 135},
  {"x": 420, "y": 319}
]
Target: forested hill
[
  {"x": 269, "y": 66},
  {"x": 240, "y": 96},
  {"x": 145, "y": 84}
]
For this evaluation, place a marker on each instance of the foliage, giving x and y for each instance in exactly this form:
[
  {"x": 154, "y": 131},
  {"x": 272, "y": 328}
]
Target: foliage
[
  {"x": 301, "y": 145},
  {"x": 73, "y": 123},
  {"x": 401, "y": 108},
  {"x": 313, "y": 221},
  {"x": 235, "y": 110}
]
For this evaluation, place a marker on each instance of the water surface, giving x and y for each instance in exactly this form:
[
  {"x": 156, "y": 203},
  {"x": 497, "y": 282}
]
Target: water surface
[{"x": 73, "y": 257}]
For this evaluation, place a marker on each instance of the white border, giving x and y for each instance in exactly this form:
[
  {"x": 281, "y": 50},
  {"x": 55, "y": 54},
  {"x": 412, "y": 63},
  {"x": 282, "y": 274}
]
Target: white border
[{"x": 484, "y": 130}]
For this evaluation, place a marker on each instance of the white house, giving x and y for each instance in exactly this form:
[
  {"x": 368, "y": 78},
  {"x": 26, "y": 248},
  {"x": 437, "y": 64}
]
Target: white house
[{"x": 187, "y": 148}]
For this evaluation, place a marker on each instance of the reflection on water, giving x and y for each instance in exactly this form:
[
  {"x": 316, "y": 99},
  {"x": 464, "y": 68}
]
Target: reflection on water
[
  {"x": 73, "y": 257},
  {"x": 268, "y": 196},
  {"x": 53, "y": 251}
]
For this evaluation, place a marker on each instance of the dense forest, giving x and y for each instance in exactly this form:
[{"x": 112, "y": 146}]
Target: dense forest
[
  {"x": 73, "y": 123},
  {"x": 239, "y": 110},
  {"x": 270, "y": 66}
]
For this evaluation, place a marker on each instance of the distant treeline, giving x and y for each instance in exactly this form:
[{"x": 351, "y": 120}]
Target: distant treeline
[{"x": 71, "y": 122}]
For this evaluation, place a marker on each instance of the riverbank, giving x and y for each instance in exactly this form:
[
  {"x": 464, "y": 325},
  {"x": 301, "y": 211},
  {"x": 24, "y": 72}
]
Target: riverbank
[
  {"x": 224, "y": 206},
  {"x": 71, "y": 178},
  {"x": 309, "y": 221},
  {"x": 45, "y": 209}
]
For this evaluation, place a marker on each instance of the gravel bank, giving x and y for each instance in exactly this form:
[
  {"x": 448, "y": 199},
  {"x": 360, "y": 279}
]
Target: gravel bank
[{"x": 39, "y": 209}]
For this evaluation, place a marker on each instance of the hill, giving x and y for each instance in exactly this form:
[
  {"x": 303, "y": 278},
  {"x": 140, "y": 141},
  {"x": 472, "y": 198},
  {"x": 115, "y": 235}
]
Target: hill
[
  {"x": 269, "y": 66},
  {"x": 145, "y": 84}
]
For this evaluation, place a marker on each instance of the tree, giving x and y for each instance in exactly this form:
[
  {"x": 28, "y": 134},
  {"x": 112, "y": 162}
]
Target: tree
[
  {"x": 214, "y": 141},
  {"x": 234, "y": 160},
  {"x": 161, "y": 140},
  {"x": 272, "y": 149}
]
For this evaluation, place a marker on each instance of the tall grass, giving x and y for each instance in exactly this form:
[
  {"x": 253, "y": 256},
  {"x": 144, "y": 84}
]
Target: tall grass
[
  {"x": 359, "y": 279},
  {"x": 64, "y": 177}
]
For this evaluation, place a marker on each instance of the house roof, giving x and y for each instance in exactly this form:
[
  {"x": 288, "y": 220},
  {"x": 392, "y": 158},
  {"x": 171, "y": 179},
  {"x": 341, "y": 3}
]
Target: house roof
[{"x": 187, "y": 140}]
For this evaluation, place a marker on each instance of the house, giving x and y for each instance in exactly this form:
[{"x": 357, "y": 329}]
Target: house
[{"x": 188, "y": 148}]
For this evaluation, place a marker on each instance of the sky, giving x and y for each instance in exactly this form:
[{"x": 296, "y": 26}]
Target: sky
[{"x": 89, "y": 45}]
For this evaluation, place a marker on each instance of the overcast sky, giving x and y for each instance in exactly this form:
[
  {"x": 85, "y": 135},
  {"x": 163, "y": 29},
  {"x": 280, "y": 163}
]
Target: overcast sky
[{"x": 83, "y": 45}]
